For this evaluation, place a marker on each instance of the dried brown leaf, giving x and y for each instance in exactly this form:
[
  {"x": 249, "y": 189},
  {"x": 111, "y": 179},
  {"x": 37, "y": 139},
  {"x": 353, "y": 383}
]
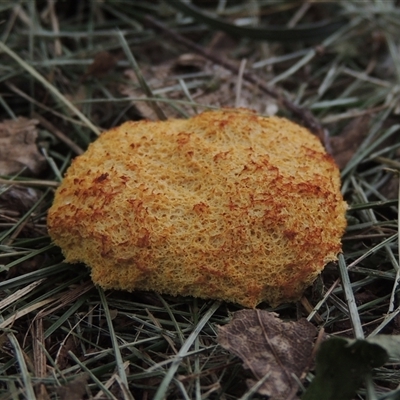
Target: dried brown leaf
[
  {"x": 143, "y": 107},
  {"x": 102, "y": 64},
  {"x": 76, "y": 389},
  {"x": 391, "y": 188},
  {"x": 346, "y": 144},
  {"x": 269, "y": 346},
  {"x": 18, "y": 148},
  {"x": 18, "y": 199}
]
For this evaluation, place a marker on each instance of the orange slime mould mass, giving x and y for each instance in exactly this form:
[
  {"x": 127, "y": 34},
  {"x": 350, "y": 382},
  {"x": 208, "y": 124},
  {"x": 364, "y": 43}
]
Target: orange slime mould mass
[{"x": 225, "y": 205}]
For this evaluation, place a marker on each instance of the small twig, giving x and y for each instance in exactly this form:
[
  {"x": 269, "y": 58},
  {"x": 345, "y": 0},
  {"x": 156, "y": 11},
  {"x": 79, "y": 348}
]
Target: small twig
[{"x": 304, "y": 115}]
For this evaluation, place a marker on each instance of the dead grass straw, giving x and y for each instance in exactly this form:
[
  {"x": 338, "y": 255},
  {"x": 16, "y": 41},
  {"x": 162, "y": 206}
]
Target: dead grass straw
[{"x": 60, "y": 336}]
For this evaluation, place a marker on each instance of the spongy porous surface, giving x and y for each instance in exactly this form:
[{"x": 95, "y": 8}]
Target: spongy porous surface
[{"x": 225, "y": 205}]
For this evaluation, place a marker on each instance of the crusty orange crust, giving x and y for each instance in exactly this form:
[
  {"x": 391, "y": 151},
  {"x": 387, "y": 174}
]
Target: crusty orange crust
[{"x": 225, "y": 205}]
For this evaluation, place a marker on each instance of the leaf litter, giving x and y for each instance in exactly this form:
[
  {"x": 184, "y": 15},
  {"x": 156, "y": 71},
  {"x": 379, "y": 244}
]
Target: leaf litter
[
  {"x": 339, "y": 85},
  {"x": 280, "y": 354},
  {"x": 18, "y": 148},
  {"x": 76, "y": 389},
  {"x": 271, "y": 348}
]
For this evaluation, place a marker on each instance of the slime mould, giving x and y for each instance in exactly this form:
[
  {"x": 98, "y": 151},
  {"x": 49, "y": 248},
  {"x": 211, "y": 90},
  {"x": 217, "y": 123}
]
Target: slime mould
[{"x": 225, "y": 205}]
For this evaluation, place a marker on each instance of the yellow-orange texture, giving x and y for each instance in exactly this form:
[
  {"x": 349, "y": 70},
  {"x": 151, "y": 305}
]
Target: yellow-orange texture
[{"x": 225, "y": 205}]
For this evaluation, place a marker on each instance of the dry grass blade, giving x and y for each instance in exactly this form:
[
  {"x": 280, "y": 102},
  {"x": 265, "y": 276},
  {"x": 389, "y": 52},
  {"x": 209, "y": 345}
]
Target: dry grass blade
[
  {"x": 21, "y": 357},
  {"x": 162, "y": 389},
  {"x": 50, "y": 87},
  {"x": 19, "y": 293},
  {"x": 114, "y": 340},
  {"x": 351, "y": 302},
  {"x": 76, "y": 67},
  {"x": 143, "y": 84}
]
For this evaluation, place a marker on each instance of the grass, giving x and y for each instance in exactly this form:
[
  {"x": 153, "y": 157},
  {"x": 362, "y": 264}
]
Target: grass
[{"x": 59, "y": 332}]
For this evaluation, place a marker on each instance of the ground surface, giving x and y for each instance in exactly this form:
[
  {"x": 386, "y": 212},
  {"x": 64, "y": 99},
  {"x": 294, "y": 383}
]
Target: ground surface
[{"x": 69, "y": 70}]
